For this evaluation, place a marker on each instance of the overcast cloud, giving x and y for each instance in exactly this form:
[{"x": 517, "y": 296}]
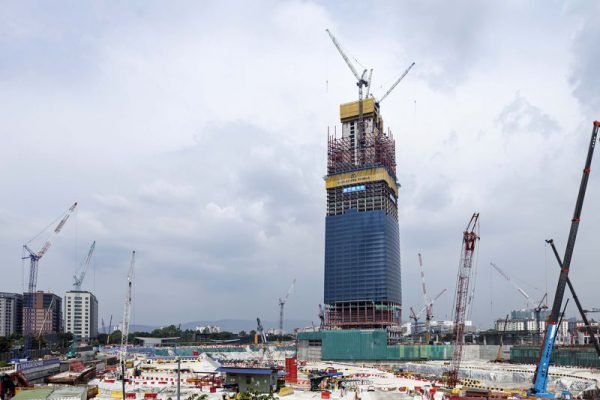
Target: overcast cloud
[{"x": 195, "y": 133}]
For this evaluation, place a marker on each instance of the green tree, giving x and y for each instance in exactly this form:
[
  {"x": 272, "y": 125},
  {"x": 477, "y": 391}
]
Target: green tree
[{"x": 4, "y": 344}]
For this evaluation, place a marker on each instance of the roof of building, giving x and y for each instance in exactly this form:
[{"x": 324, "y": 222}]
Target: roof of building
[{"x": 247, "y": 371}]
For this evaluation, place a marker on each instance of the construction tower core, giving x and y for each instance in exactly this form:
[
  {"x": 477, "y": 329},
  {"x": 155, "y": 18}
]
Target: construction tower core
[{"x": 362, "y": 247}]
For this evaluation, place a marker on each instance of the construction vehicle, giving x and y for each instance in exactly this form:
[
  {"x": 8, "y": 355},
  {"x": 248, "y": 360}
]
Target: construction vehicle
[
  {"x": 540, "y": 381},
  {"x": 282, "y": 302},
  {"x": 463, "y": 294},
  {"x": 34, "y": 258}
]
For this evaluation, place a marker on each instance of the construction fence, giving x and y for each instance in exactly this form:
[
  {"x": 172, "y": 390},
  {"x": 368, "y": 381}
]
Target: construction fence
[{"x": 564, "y": 356}]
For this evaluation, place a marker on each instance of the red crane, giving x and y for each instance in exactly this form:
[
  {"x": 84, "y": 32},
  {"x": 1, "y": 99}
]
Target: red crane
[{"x": 461, "y": 300}]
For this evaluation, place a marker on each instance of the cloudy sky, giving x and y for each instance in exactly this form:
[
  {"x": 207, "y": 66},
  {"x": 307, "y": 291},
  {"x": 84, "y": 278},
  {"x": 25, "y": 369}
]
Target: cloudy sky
[{"x": 195, "y": 133}]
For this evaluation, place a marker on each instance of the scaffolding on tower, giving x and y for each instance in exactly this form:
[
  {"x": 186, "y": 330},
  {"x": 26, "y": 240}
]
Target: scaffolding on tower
[{"x": 377, "y": 150}]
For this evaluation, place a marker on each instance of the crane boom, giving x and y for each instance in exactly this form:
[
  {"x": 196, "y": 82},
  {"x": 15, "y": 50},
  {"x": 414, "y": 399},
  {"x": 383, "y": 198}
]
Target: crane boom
[
  {"x": 505, "y": 276},
  {"x": 358, "y": 77},
  {"x": 56, "y": 231},
  {"x": 540, "y": 381},
  {"x": 78, "y": 278},
  {"x": 396, "y": 83},
  {"x": 465, "y": 270}
]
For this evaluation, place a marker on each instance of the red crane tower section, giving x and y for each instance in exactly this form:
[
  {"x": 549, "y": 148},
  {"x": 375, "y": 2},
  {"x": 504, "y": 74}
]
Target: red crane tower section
[{"x": 465, "y": 271}]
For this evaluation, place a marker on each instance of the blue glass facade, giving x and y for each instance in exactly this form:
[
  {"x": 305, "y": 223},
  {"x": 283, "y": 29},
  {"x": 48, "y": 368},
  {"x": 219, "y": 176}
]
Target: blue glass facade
[{"x": 362, "y": 257}]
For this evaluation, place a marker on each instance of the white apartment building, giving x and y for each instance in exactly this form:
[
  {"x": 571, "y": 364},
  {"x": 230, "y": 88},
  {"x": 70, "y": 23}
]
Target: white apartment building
[
  {"x": 81, "y": 314},
  {"x": 11, "y": 313}
]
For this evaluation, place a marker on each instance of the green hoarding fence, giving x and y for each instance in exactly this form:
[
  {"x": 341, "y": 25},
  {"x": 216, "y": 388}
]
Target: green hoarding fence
[
  {"x": 364, "y": 345},
  {"x": 568, "y": 356}
]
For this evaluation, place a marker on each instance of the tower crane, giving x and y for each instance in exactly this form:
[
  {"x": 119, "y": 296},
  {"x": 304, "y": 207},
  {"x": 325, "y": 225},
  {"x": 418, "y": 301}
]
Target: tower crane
[
  {"x": 321, "y": 317},
  {"x": 426, "y": 307},
  {"x": 282, "y": 302},
  {"x": 80, "y": 276},
  {"x": 428, "y": 302},
  {"x": 361, "y": 81},
  {"x": 540, "y": 380},
  {"x": 260, "y": 332},
  {"x": 465, "y": 271},
  {"x": 505, "y": 276},
  {"x": 126, "y": 318},
  {"x": 109, "y": 330},
  {"x": 34, "y": 258}
]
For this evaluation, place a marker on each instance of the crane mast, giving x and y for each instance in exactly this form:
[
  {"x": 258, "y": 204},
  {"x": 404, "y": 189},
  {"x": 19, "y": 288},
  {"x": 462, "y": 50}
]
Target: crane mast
[
  {"x": 34, "y": 258},
  {"x": 465, "y": 269},
  {"x": 540, "y": 380},
  {"x": 126, "y": 315}
]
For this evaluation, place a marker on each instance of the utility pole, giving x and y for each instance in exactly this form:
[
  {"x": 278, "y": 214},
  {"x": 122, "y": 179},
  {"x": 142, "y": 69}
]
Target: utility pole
[{"x": 178, "y": 378}]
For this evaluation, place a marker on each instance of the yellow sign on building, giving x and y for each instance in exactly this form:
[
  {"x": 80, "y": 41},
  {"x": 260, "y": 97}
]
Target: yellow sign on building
[{"x": 361, "y": 176}]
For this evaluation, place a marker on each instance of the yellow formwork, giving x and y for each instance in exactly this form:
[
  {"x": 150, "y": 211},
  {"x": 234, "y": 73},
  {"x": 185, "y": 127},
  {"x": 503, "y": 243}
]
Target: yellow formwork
[
  {"x": 350, "y": 110},
  {"x": 362, "y": 176}
]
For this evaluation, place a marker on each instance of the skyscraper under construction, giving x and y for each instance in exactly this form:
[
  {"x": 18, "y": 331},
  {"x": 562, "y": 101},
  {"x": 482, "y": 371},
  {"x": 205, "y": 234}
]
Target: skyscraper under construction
[{"x": 362, "y": 247}]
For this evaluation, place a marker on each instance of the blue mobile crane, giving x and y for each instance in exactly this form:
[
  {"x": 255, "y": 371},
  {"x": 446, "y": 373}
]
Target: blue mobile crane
[{"x": 540, "y": 380}]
